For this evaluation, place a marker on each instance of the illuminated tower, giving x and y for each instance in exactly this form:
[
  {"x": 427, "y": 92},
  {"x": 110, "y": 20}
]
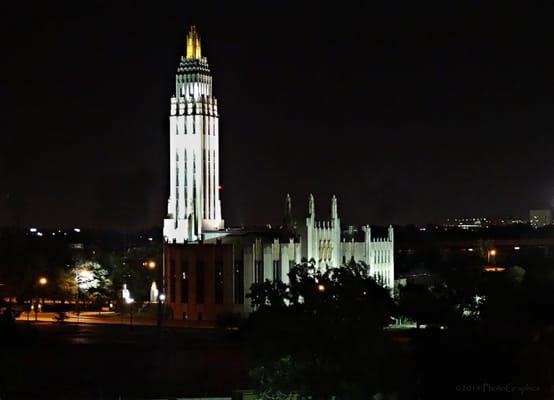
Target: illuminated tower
[{"x": 193, "y": 207}]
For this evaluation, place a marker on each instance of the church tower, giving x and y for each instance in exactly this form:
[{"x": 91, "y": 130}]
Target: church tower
[{"x": 193, "y": 207}]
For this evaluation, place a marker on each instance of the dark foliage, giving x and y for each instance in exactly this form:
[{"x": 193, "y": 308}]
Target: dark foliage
[{"x": 321, "y": 334}]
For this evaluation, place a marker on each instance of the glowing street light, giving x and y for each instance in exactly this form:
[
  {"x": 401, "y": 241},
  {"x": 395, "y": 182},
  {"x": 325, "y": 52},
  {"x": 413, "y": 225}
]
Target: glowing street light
[
  {"x": 491, "y": 253},
  {"x": 129, "y": 301},
  {"x": 42, "y": 281},
  {"x": 149, "y": 264},
  {"x": 321, "y": 287}
]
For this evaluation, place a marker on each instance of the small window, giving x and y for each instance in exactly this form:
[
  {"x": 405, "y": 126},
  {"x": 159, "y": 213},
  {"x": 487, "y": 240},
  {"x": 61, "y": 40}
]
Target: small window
[{"x": 200, "y": 283}]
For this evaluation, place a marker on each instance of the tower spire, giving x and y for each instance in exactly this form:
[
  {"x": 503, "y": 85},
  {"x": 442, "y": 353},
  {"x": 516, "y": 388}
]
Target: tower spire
[
  {"x": 194, "y": 51},
  {"x": 334, "y": 208},
  {"x": 288, "y": 207},
  {"x": 288, "y": 224}
]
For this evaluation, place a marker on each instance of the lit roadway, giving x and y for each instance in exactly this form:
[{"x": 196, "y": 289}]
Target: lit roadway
[
  {"x": 110, "y": 318},
  {"x": 85, "y": 317}
]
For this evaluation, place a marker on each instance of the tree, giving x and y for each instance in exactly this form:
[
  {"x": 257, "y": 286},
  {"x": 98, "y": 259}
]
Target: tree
[
  {"x": 66, "y": 285},
  {"x": 319, "y": 335},
  {"x": 131, "y": 271},
  {"x": 422, "y": 304},
  {"x": 92, "y": 280}
]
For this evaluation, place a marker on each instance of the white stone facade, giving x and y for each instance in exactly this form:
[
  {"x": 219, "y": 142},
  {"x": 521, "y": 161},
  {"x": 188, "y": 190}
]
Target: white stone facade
[
  {"x": 246, "y": 256},
  {"x": 193, "y": 206},
  {"x": 323, "y": 242}
]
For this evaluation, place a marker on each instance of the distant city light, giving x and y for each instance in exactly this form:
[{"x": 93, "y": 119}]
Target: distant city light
[
  {"x": 77, "y": 230},
  {"x": 494, "y": 269},
  {"x": 150, "y": 239},
  {"x": 39, "y": 233},
  {"x": 516, "y": 247},
  {"x": 43, "y": 281},
  {"x": 470, "y": 249},
  {"x": 492, "y": 252},
  {"x": 33, "y": 230}
]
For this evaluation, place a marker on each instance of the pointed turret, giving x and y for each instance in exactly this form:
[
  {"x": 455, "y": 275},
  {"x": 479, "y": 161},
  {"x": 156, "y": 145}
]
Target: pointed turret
[
  {"x": 194, "y": 51},
  {"x": 334, "y": 208},
  {"x": 287, "y": 207},
  {"x": 288, "y": 224},
  {"x": 311, "y": 206}
]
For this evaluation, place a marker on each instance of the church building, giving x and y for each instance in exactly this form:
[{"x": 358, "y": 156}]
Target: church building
[{"x": 208, "y": 269}]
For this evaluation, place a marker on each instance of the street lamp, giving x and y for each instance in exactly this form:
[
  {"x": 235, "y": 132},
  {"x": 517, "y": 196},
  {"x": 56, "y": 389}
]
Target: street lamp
[
  {"x": 491, "y": 253},
  {"x": 42, "y": 281},
  {"x": 321, "y": 287},
  {"x": 152, "y": 265},
  {"x": 130, "y": 302}
]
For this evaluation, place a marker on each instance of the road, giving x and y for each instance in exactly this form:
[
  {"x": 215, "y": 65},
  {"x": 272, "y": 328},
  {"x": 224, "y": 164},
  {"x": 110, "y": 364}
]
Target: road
[
  {"x": 111, "y": 318},
  {"x": 106, "y": 360}
]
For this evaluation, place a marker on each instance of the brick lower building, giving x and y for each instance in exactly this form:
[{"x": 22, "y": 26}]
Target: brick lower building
[{"x": 199, "y": 281}]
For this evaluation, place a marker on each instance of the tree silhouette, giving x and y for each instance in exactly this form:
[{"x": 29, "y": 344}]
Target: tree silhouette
[{"x": 319, "y": 335}]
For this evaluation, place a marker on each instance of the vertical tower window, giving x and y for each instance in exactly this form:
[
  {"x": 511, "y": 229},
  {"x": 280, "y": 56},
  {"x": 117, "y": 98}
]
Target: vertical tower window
[
  {"x": 185, "y": 178},
  {"x": 176, "y": 185},
  {"x": 258, "y": 271},
  {"x": 276, "y": 270}
]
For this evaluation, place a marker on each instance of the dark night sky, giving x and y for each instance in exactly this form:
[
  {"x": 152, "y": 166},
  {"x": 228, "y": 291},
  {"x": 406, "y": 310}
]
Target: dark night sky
[{"x": 408, "y": 114}]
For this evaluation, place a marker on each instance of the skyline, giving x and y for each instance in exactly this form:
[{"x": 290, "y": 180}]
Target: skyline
[{"x": 94, "y": 151}]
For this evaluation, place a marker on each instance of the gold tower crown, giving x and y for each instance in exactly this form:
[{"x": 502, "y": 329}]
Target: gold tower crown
[{"x": 194, "y": 51}]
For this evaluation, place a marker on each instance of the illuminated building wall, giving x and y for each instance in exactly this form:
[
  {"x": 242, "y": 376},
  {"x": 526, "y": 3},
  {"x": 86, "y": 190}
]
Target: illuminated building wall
[
  {"x": 208, "y": 270},
  {"x": 193, "y": 206},
  {"x": 322, "y": 241}
]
